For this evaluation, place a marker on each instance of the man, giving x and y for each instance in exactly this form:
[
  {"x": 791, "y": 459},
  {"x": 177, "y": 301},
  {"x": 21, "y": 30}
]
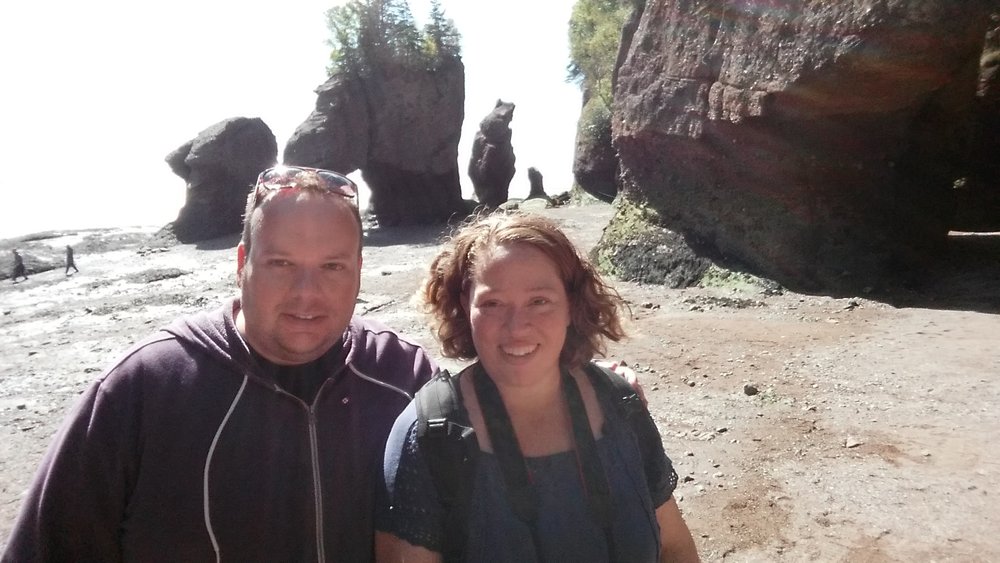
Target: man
[
  {"x": 250, "y": 433},
  {"x": 19, "y": 270},
  {"x": 70, "y": 262}
]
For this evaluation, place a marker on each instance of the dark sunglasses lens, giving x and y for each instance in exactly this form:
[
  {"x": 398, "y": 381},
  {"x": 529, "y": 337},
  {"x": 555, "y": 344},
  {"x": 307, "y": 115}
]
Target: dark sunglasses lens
[{"x": 337, "y": 183}]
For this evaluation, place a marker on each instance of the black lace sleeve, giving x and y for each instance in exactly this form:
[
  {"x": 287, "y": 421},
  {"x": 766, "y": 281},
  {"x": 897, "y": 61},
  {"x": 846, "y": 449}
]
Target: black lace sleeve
[
  {"x": 414, "y": 512},
  {"x": 660, "y": 474},
  {"x": 659, "y": 470}
]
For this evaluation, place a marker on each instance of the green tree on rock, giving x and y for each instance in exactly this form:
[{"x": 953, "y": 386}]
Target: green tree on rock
[
  {"x": 367, "y": 34},
  {"x": 594, "y": 34},
  {"x": 443, "y": 42}
]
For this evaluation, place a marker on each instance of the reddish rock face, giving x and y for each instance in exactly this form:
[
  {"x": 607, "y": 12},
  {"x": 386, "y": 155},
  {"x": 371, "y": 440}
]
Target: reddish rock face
[{"x": 815, "y": 142}]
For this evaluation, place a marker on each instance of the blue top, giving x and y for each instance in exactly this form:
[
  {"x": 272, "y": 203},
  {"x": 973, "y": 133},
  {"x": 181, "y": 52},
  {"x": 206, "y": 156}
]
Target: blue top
[{"x": 567, "y": 531}]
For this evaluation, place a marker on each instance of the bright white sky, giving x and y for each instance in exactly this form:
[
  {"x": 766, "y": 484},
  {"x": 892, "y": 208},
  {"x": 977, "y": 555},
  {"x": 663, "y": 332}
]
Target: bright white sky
[{"x": 96, "y": 94}]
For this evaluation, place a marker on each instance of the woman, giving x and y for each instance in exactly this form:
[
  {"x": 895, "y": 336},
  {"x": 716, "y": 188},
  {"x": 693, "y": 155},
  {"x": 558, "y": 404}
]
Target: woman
[{"x": 559, "y": 474}]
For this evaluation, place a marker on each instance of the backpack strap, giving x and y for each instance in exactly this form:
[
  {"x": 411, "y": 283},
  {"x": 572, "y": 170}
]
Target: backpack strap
[
  {"x": 628, "y": 404},
  {"x": 448, "y": 444},
  {"x": 593, "y": 476},
  {"x": 521, "y": 491}
]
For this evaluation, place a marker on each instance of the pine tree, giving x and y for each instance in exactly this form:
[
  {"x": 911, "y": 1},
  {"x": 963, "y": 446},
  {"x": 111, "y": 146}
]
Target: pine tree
[
  {"x": 344, "y": 23},
  {"x": 594, "y": 33},
  {"x": 367, "y": 34},
  {"x": 443, "y": 41}
]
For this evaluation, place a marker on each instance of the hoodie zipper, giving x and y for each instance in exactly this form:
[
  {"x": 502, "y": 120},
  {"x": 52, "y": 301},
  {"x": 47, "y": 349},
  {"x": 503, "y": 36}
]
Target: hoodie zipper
[
  {"x": 313, "y": 447},
  {"x": 316, "y": 474},
  {"x": 317, "y": 486}
]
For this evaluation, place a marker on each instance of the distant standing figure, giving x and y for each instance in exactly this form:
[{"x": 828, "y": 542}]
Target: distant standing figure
[
  {"x": 19, "y": 270},
  {"x": 70, "y": 263}
]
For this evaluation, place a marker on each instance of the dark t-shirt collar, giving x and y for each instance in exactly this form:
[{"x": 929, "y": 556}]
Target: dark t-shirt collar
[{"x": 303, "y": 380}]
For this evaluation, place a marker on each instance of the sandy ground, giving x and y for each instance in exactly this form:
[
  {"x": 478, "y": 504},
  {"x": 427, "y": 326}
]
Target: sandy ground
[{"x": 870, "y": 436}]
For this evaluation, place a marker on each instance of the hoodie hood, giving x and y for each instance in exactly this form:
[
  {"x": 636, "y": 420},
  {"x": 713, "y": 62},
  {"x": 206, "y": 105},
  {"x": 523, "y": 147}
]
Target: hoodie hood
[
  {"x": 371, "y": 350},
  {"x": 215, "y": 332}
]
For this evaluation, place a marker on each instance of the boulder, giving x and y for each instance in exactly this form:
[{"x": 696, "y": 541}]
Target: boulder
[
  {"x": 220, "y": 166},
  {"x": 815, "y": 143},
  {"x": 491, "y": 165},
  {"x": 595, "y": 163},
  {"x": 401, "y": 127}
]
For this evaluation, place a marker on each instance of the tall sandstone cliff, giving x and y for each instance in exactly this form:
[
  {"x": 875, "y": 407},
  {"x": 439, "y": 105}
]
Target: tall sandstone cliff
[{"x": 812, "y": 142}]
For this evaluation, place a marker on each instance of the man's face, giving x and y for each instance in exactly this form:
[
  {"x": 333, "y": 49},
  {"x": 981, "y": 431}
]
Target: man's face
[{"x": 301, "y": 278}]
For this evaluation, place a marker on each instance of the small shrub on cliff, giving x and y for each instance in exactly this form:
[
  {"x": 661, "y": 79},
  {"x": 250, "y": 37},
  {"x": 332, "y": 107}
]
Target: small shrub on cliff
[{"x": 594, "y": 127}]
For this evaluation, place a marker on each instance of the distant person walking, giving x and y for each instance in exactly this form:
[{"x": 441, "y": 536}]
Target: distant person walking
[
  {"x": 70, "y": 263},
  {"x": 19, "y": 270}
]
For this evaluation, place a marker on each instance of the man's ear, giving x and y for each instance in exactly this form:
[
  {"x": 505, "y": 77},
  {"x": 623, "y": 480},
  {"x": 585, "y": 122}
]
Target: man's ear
[{"x": 241, "y": 261}]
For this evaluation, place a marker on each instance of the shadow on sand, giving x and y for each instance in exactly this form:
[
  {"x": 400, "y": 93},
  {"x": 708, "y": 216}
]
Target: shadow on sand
[
  {"x": 415, "y": 235},
  {"x": 220, "y": 243}
]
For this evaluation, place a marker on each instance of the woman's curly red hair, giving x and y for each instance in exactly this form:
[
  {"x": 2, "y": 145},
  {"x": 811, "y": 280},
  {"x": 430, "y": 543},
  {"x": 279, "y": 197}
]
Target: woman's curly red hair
[{"x": 594, "y": 305}]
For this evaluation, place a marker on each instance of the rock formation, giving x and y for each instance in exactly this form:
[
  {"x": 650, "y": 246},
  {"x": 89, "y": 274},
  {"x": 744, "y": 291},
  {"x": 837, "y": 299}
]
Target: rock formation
[
  {"x": 491, "y": 166},
  {"x": 336, "y": 135},
  {"x": 815, "y": 143},
  {"x": 401, "y": 127},
  {"x": 537, "y": 186},
  {"x": 220, "y": 166},
  {"x": 595, "y": 163}
]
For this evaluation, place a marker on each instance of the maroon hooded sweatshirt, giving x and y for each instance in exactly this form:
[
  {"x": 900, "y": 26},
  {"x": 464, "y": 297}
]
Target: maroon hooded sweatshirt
[{"x": 187, "y": 450}]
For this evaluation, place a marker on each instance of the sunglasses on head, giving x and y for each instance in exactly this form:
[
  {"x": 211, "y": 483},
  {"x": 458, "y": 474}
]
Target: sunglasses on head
[{"x": 283, "y": 177}]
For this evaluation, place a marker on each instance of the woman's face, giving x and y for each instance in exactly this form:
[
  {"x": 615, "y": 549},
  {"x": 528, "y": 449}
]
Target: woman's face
[{"x": 519, "y": 312}]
